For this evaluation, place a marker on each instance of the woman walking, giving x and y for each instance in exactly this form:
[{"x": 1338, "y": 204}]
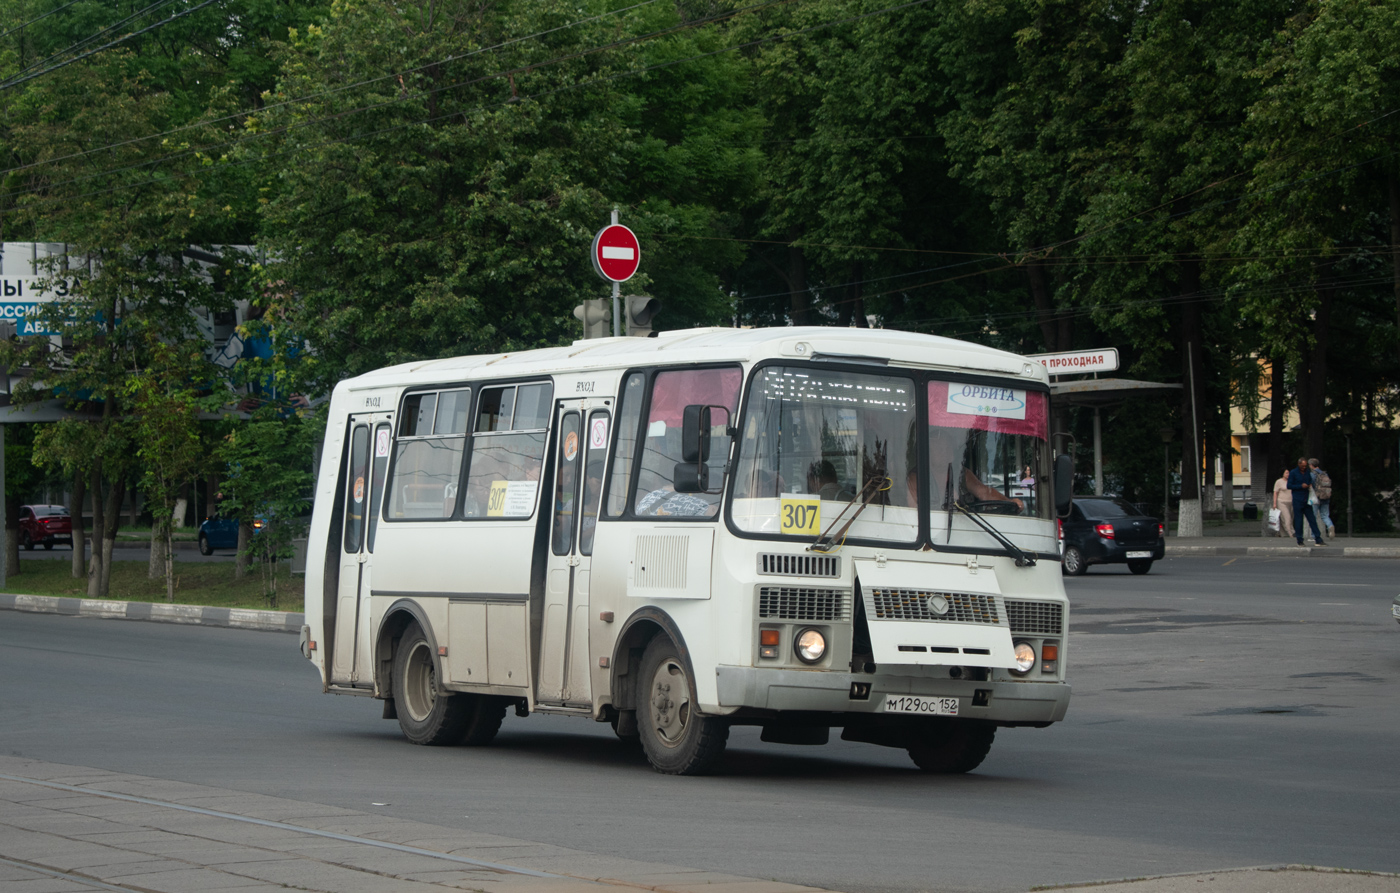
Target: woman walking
[{"x": 1283, "y": 501}]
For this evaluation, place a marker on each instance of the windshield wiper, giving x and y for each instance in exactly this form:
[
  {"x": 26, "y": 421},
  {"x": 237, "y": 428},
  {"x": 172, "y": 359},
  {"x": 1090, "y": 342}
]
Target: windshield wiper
[
  {"x": 1023, "y": 558},
  {"x": 866, "y": 494}
]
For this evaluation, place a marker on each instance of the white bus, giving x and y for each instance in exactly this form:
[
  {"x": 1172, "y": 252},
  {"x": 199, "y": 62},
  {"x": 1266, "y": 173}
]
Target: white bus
[{"x": 803, "y": 529}]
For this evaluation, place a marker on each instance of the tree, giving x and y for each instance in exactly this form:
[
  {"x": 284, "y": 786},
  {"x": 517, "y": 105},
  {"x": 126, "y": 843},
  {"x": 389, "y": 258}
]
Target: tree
[
  {"x": 269, "y": 460},
  {"x": 165, "y": 406}
]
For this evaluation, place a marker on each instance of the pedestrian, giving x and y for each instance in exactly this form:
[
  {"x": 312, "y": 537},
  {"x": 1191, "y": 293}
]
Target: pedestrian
[
  {"x": 1322, "y": 489},
  {"x": 1284, "y": 504},
  {"x": 1300, "y": 485}
]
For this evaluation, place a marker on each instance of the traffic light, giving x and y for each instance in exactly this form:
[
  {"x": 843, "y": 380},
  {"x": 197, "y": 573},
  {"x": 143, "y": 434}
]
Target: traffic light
[
  {"x": 596, "y": 317},
  {"x": 639, "y": 313}
]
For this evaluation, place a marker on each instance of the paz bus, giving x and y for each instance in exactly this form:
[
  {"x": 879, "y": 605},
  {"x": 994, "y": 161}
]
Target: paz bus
[{"x": 803, "y": 529}]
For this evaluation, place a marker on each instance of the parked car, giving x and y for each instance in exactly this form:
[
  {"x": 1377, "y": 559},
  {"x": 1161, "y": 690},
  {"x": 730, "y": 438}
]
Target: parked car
[
  {"x": 44, "y": 525},
  {"x": 222, "y": 533},
  {"x": 1110, "y": 530},
  {"x": 1395, "y": 609}
]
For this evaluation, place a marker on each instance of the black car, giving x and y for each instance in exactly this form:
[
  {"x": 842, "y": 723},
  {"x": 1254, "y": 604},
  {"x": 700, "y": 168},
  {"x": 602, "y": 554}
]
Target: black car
[{"x": 1110, "y": 530}]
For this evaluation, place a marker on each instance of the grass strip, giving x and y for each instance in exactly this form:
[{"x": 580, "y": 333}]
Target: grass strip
[{"x": 196, "y": 583}]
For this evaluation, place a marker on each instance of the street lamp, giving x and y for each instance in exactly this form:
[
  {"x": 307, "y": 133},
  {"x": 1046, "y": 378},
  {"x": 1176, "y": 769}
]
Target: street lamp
[
  {"x": 1166, "y": 433},
  {"x": 1348, "y": 428}
]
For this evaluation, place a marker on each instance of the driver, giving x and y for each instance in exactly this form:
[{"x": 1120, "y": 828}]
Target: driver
[{"x": 945, "y": 445}]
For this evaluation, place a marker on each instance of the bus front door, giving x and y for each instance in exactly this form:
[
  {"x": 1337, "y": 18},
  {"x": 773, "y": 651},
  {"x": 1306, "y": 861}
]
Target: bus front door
[
  {"x": 581, "y": 448},
  {"x": 366, "y": 462}
]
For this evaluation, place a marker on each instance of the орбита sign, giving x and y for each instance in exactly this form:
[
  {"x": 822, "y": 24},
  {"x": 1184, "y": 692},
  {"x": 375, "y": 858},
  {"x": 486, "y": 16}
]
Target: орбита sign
[
  {"x": 21, "y": 297},
  {"x": 1077, "y": 362}
]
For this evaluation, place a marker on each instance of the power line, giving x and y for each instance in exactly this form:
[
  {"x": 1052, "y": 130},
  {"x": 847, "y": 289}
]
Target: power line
[
  {"x": 478, "y": 108},
  {"x": 242, "y": 113},
  {"x": 23, "y": 25},
  {"x": 89, "y": 39},
  {"x": 504, "y": 73},
  {"x": 15, "y": 82}
]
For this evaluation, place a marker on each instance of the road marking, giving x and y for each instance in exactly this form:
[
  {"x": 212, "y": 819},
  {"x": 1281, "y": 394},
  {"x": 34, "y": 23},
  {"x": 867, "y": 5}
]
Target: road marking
[
  {"x": 1230, "y": 562},
  {"x": 283, "y": 826},
  {"x": 1330, "y": 584},
  {"x": 1335, "y": 604}
]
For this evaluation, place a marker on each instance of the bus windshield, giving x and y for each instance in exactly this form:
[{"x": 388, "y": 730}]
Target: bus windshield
[
  {"x": 816, "y": 440},
  {"x": 992, "y": 439}
]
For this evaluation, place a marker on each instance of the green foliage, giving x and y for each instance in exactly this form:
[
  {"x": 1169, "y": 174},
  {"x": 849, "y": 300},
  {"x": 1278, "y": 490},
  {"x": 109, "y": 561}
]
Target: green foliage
[{"x": 269, "y": 480}]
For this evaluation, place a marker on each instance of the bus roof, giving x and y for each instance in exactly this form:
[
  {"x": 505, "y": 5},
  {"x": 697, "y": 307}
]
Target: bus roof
[{"x": 716, "y": 345}]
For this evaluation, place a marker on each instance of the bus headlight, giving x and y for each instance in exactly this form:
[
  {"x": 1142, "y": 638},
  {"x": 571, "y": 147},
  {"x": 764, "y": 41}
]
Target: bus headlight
[
  {"x": 1025, "y": 657},
  {"x": 810, "y": 646}
]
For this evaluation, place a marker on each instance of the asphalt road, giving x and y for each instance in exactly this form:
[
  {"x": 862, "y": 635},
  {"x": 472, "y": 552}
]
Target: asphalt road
[{"x": 1227, "y": 712}]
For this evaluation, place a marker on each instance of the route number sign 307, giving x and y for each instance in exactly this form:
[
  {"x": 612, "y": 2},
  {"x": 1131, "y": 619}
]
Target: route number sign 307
[{"x": 800, "y": 517}]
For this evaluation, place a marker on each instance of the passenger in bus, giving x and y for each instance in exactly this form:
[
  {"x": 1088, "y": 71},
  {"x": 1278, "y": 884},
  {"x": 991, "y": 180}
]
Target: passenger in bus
[{"x": 821, "y": 480}]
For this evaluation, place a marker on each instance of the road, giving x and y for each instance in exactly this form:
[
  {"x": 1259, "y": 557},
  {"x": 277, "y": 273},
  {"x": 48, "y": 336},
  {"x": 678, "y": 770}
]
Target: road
[{"x": 1227, "y": 712}]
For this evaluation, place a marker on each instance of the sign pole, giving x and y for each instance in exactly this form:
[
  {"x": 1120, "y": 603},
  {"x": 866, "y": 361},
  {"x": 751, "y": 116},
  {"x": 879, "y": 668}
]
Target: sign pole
[{"x": 616, "y": 296}]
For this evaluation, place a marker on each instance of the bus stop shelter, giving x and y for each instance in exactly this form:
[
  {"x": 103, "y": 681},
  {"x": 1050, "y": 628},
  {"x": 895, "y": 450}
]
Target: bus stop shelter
[{"x": 1103, "y": 393}]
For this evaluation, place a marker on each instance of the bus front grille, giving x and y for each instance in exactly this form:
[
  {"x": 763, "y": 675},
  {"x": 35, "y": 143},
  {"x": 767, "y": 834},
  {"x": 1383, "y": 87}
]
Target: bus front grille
[
  {"x": 924, "y": 604},
  {"x": 802, "y": 603},
  {"x": 778, "y": 564},
  {"x": 1035, "y": 618}
]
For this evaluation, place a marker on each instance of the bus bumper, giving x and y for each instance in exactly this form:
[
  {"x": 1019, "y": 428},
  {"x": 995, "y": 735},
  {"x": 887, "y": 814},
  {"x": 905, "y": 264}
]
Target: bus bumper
[{"x": 827, "y": 692}]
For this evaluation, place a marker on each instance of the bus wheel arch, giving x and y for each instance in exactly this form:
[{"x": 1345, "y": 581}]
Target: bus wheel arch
[
  {"x": 637, "y": 632},
  {"x": 400, "y": 615}
]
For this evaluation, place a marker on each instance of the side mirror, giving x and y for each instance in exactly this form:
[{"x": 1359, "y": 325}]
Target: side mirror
[
  {"x": 691, "y": 478},
  {"x": 1064, "y": 484},
  {"x": 692, "y": 474},
  {"x": 695, "y": 434}
]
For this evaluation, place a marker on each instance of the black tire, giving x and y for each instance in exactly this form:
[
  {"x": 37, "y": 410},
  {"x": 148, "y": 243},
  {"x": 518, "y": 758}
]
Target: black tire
[
  {"x": 204, "y": 547},
  {"x": 677, "y": 739},
  {"x": 25, "y": 541},
  {"x": 48, "y": 547},
  {"x": 1140, "y": 565},
  {"x": 952, "y": 746},
  {"x": 487, "y": 712},
  {"x": 426, "y": 715},
  {"x": 1072, "y": 563}
]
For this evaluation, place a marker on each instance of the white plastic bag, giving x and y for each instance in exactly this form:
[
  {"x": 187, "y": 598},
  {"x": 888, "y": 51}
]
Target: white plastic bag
[{"x": 1275, "y": 518}]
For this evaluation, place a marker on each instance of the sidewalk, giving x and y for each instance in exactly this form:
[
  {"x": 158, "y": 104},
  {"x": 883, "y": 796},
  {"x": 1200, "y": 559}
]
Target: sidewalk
[{"x": 1279, "y": 547}]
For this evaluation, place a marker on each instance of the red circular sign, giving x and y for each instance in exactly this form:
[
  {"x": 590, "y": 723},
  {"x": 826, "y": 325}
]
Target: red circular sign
[{"x": 616, "y": 253}]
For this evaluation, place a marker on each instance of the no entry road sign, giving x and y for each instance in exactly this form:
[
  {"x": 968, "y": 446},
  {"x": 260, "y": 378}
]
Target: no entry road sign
[{"x": 616, "y": 253}]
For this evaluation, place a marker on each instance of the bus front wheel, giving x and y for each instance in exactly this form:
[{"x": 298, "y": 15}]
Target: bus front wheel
[
  {"x": 426, "y": 715},
  {"x": 677, "y": 739},
  {"x": 952, "y": 746}
]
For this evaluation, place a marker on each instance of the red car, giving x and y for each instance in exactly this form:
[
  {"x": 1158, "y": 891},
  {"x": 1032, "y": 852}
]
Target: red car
[{"x": 44, "y": 524}]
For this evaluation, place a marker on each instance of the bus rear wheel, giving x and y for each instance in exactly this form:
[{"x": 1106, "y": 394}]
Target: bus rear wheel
[
  {"x": 426, "y": 714},
  {"x": 487, "y": 712},
  {"x": 677, "y": 739},
  {"x": 952, "y": 746}
]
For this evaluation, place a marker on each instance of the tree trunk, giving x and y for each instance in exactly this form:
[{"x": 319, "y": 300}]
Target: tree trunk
[
  {"x": 798, "y": 308},
  {"x": 99, "y": 524},
  {"x": 12, "y": 504},
  {"x": 156, "y": 566},
  {"x": 135, "y": 505},
  {"x": 112, "y": 518},
  {"x": 240, "y": 564},
  {"x": 169, "y": 565},
  {"x": 1394, "y": 185},
  {"x": 1189, "y": 514},
  {"x": 76, "y": 509},
  {"x": 1045, "y": 309},
  {"x": 1312, "y": 399},
  {"x": 1227, "y": 479}
]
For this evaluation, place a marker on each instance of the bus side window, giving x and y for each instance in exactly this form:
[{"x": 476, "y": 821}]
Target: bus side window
[
  {"x": 503, "y": 473},
  {"x": 629, "y": 419},
  {"x": 671, "y": 391},
  {"x": 428, "y": 456}
]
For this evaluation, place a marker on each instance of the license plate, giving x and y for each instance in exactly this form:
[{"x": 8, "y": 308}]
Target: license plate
[
  {"x": 1395, "y": 610},
  {"x": 926, "y": 706},
  {"x": 1139, "y": 554}
]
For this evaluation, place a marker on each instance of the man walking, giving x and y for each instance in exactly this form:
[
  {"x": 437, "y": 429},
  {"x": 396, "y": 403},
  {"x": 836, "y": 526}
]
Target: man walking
[
  {"x": 1299, "y": 484},
  {"x": 1322, "y": 489}
]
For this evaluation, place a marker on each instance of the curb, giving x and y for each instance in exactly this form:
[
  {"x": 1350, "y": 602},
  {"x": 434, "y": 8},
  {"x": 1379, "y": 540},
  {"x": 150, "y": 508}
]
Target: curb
[
  {"x": 1282, "y": 551},
  {"x": 195, "y": 615}
]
